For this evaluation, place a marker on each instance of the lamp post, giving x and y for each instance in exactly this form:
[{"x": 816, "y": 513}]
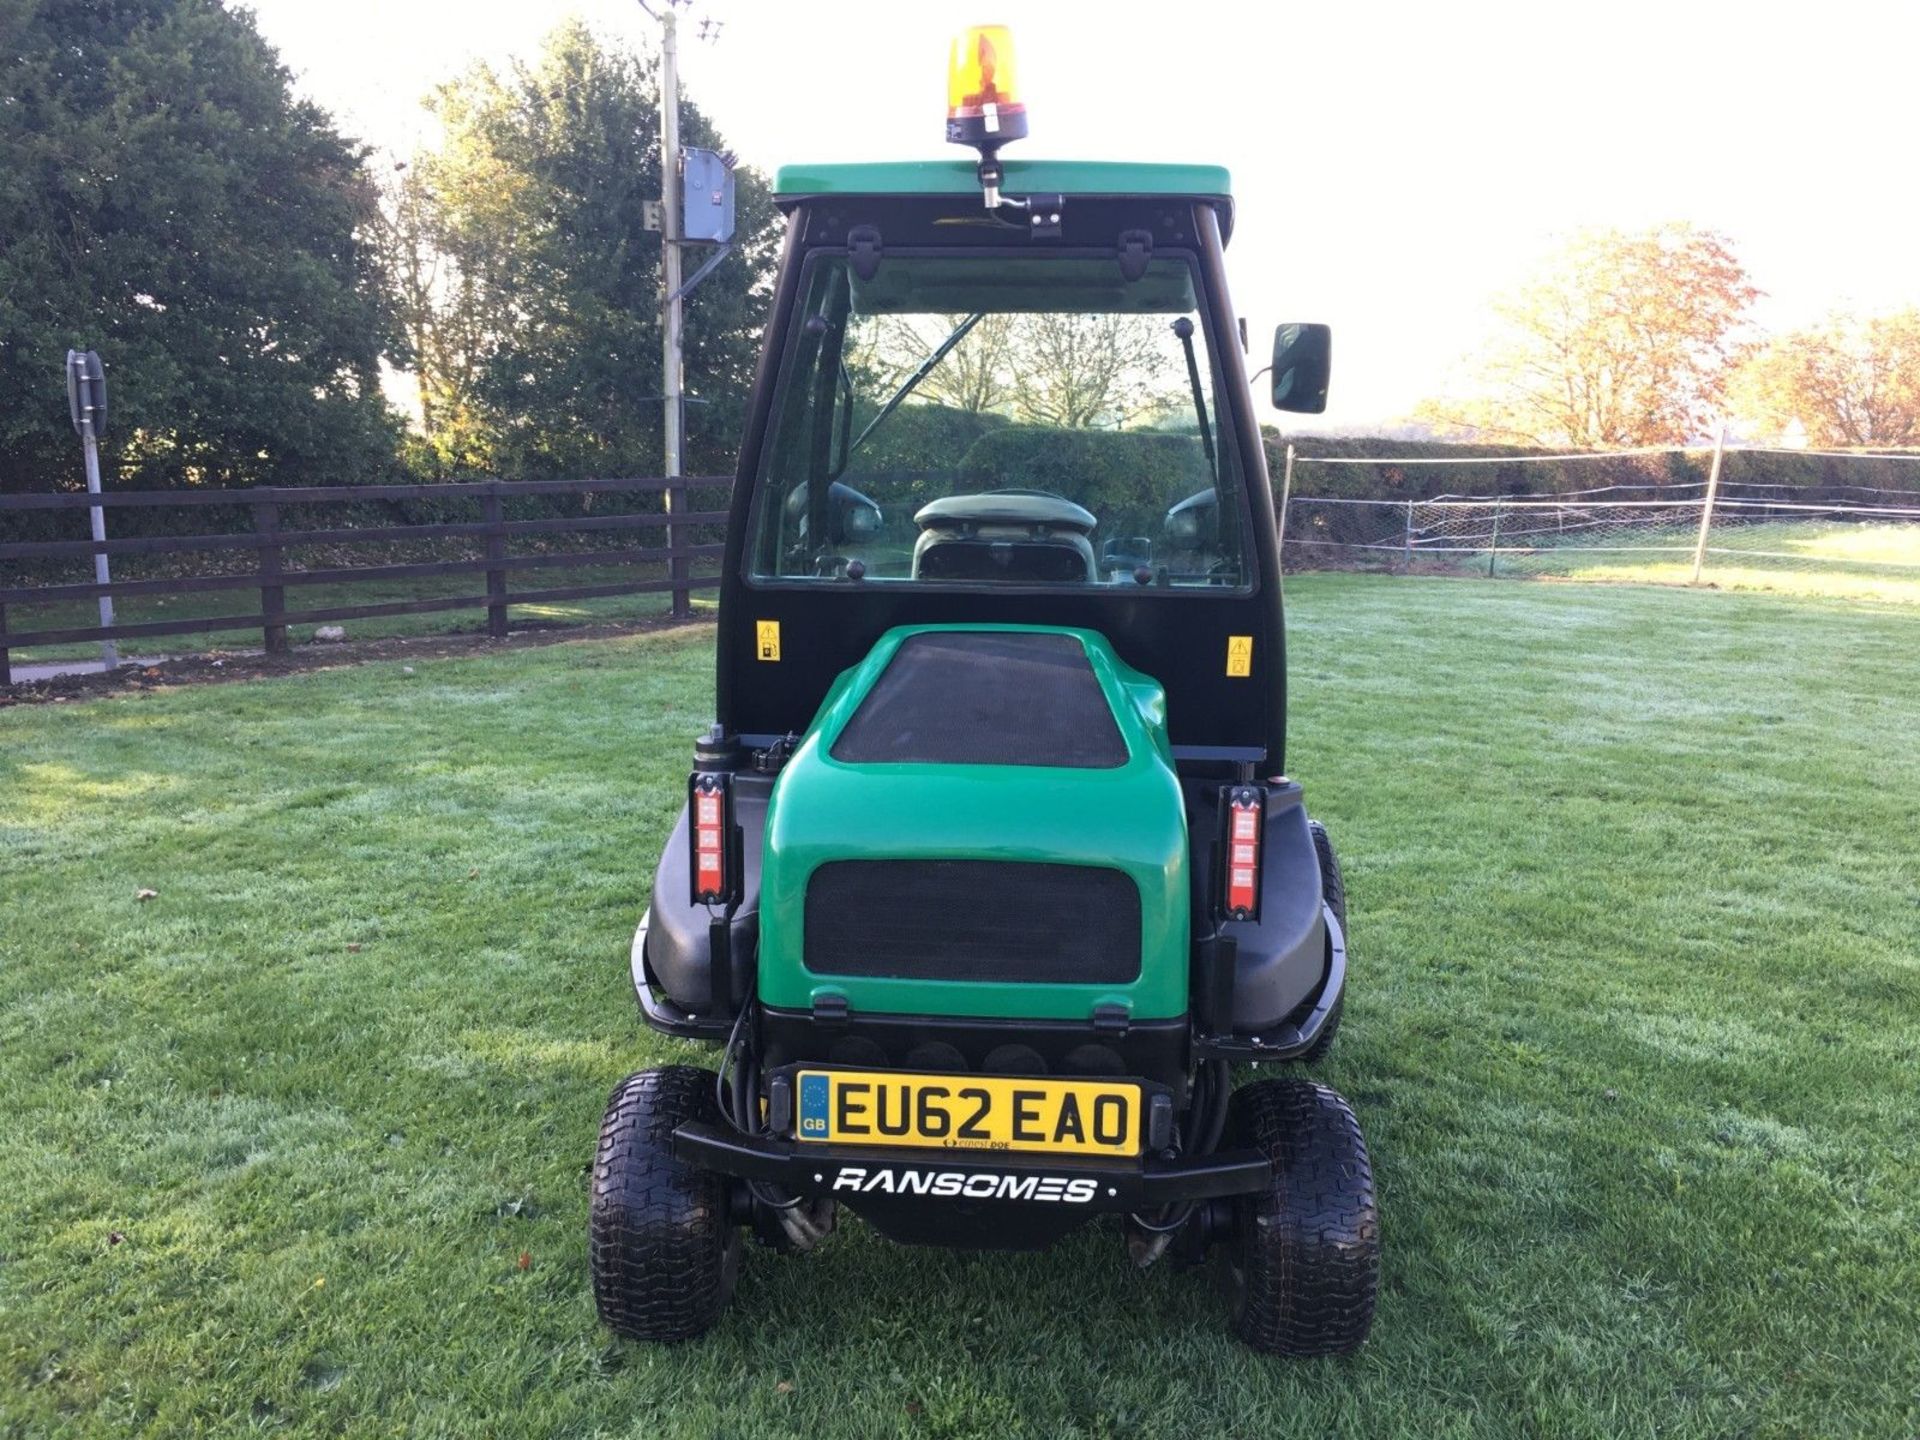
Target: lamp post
[{"x": 87, "y": 403}]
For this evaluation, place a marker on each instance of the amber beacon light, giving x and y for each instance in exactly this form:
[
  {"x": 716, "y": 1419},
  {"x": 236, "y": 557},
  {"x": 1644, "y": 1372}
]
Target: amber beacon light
[{"x": 984, "y": 108}]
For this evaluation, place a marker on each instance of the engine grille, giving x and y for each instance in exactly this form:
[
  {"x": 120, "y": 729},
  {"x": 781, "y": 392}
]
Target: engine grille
[{"x": 973, "y": 920}]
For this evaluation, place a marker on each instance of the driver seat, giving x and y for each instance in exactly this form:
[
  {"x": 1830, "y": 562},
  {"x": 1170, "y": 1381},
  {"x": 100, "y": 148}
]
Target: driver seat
[{"x": 1018, "y": 536}]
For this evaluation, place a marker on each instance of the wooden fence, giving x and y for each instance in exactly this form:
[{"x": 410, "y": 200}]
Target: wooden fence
[{"x": 270, "y": 541}]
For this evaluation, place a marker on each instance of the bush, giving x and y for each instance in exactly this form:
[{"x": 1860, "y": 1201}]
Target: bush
[
  {"x": 1130, "y": 479},
  {"x": 1825, "y": 478}
]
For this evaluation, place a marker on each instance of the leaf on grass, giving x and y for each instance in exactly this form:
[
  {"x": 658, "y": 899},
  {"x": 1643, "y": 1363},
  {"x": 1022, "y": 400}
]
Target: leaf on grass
[
  {"x": 144, "y": 894},
  {"x": 785, "y": 1387},
  {"x": 526, "y": 1261},
  {"x": 114, "y": 1237}
]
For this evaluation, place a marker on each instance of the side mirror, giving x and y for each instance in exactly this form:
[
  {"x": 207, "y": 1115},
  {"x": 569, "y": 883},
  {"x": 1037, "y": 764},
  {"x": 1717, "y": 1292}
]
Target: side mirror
[
  {"x": 1302, "y": 365},
  {"x": 850, "y": 514},
  {"x": 858, "y": 516},
  {"x": 1194, "y": 521}
]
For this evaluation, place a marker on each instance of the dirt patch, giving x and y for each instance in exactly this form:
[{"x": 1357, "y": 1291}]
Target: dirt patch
[{"x": 217, "y": 667}]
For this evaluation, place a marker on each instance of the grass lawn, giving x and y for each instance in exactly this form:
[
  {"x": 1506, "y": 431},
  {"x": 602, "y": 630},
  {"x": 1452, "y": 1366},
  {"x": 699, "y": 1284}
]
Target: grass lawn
[
  {"x": 1832, "y": 559},
  {"x": 300, "y": 1146}
]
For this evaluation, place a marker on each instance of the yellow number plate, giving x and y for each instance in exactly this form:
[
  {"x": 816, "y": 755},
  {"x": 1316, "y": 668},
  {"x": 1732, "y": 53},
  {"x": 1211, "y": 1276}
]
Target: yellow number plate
[{"x": 969, "y": 1112}]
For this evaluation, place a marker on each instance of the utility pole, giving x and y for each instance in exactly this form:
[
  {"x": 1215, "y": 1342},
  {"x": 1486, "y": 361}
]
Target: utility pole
[
  {"x": 697, "y": 184},
  {"x": 671, "y": 376},
  {"x": 670, "y": 235}
]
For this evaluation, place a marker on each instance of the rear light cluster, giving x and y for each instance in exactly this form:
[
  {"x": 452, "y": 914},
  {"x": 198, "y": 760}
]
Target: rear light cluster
[
  {"x": 1243, "y": 811},
  {"x": 715, "y": 862}
]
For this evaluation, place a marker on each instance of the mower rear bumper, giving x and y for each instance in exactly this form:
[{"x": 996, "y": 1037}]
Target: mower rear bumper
[
  {"x": 657, "y": 1007},
  {"x": 995, "y": 1188}
]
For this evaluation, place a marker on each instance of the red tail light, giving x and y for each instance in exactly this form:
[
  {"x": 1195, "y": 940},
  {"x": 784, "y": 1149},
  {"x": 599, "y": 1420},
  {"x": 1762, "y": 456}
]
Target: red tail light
[
  {"x": 714, "y": 863},
  {"x": 1243, "y": 812}
]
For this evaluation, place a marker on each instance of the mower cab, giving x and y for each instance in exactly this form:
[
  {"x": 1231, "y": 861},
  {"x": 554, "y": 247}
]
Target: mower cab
[{"x": 990, "y": 867}]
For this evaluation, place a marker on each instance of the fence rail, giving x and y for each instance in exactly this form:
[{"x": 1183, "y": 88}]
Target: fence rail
[
  {"x": 270, "y": 540},
  {"x": 1675, "y": 531},
  {"x": 1733, "y": 527},
  {"x": 1865, "y": 549}
]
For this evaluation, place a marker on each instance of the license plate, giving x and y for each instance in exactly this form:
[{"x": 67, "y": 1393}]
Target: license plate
[{"x": 969, "y": 1112}]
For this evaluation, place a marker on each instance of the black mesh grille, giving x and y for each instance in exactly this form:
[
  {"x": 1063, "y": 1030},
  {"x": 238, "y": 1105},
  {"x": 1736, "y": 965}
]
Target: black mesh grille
[
  {"x": 979, "y": 920},
  {"x": 980, "y": 697}
]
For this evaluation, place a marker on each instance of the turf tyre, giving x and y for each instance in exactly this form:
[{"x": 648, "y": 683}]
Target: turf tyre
[
  {"x": 1302, "y": 1264},
  {"x": 1333, "y": 889},
  {"x": 663, "y": 1251}
]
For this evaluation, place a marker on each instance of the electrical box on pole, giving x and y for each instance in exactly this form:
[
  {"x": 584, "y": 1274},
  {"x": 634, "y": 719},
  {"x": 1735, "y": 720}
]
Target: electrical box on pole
[{"x": 707, "y": 197}]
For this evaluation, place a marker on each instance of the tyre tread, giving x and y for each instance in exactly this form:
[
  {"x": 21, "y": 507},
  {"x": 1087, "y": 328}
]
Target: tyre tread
[
  {"x": 1308, "y": 1248},
  {"x": 663, "y": 1251}
]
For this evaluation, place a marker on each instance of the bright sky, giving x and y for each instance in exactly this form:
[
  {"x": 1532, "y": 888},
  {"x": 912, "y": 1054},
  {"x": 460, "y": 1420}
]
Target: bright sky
[{"x": 1395, "y": 165}]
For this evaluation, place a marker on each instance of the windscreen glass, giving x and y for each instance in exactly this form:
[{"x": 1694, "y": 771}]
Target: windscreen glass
[{"x": 992, "y": 420}]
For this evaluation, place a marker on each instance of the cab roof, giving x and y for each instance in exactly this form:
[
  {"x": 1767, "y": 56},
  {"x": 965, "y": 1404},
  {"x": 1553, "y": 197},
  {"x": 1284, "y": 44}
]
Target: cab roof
[{"x": 795, "y": 183}]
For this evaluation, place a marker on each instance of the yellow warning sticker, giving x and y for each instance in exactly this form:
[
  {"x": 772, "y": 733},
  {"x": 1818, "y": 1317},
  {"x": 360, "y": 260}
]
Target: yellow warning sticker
[
  {"x": 766, "y": 639},
  {"x": 1239, "y": 656}
]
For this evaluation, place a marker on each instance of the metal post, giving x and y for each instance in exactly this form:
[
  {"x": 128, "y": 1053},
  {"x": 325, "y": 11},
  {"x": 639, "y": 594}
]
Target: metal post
[
  {"x": 670, "y": 236},
  {"x": 109, "y": 653},
  {"x": 273, "y": 595},
  {"x": 492, "y": 512},
  {"x": 1493, "y": 552},
  {"x": 1286, "y": 494},
  {"x": 1706, "y": 507},
  {"x": 1408, "y": 570},
  {"x": 6, "y": 660}
]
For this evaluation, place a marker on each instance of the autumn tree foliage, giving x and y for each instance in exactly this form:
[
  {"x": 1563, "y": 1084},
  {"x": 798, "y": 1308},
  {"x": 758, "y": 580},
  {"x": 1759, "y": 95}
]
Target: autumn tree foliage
[
  {"x": 1845, "y": 381},
  {"x": 1622, "y": 338}
]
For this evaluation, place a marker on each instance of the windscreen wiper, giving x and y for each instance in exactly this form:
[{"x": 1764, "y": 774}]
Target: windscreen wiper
[
  {"x": 907, "y": 387},
  {"x": 1183, "y": 327}
]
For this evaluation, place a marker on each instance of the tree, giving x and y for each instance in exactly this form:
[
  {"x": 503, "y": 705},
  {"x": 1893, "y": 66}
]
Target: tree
[
  {"x": 440, "y": 326},
  {"x": 165, "y": 200},
  {"x": 1081, "y": 371},
  {"x": 975, "y": 375},
  {"x": 1845, "y": 381},
  {"x": 1623, "y": 338},
  {"x": 539, "y": 336}
]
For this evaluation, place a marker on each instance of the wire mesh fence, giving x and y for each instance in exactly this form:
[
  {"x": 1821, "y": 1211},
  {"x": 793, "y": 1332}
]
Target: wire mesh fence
[{"x": 1843, "y": 540}]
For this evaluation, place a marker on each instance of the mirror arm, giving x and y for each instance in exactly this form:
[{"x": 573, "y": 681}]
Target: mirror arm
[
  {"x": 1183, "y": 327},
  {"x": 833, "y": 331},
  {"x": 834, "y": 472}
]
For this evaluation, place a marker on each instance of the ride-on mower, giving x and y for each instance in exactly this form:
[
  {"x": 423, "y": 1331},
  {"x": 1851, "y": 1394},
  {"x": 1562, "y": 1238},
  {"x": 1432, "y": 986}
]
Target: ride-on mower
[{"x": 990, "y": 873}]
